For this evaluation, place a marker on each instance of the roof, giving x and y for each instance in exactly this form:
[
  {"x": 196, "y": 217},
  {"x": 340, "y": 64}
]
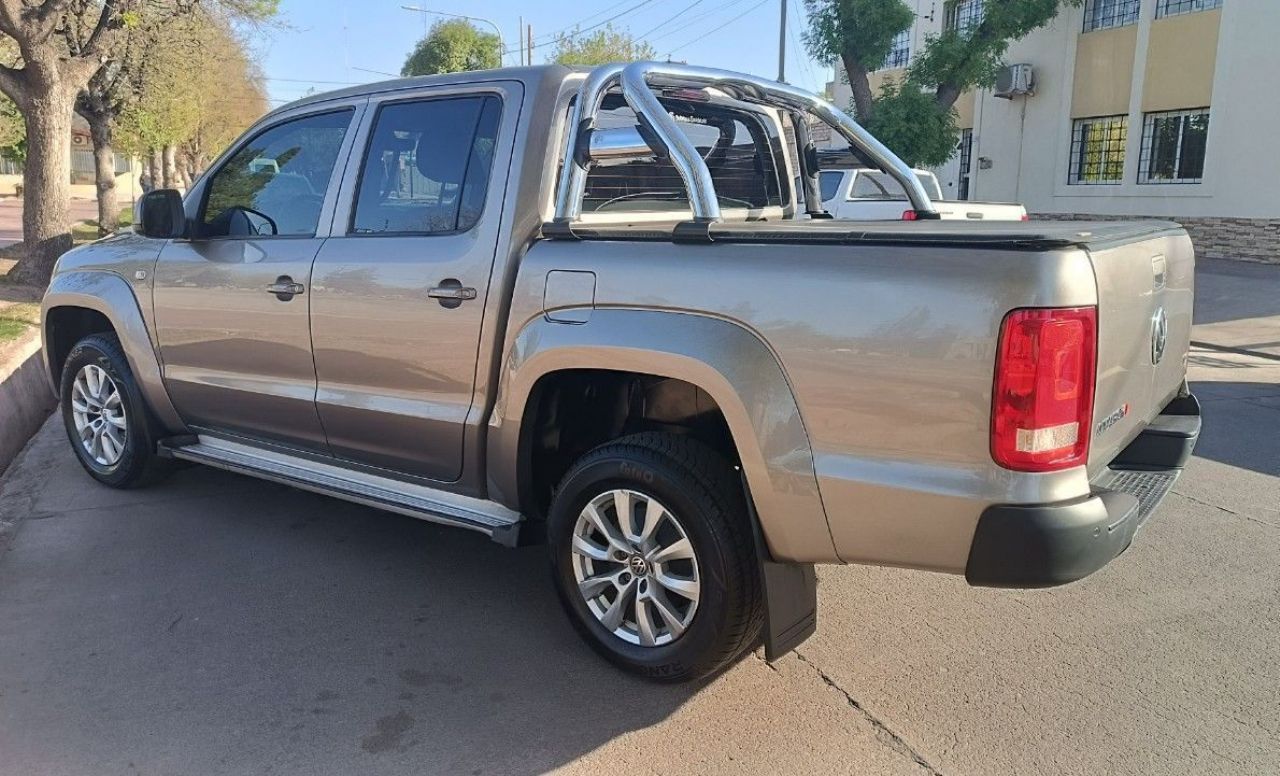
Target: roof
[{"x": 530, "y": 76}]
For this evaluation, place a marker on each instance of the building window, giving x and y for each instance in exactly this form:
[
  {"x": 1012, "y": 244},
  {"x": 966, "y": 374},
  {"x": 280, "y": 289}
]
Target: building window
[
  {"x": 1105, "y": 14},
  {"x": 1174, "y": 7},
  {"x": 966, "y": 162},
  {"x": 1097, "y": 150},
  {"x": 899, "y": 51},
  {"x": 1173, "y": 146},
  {"x": 964, "y": 15}
]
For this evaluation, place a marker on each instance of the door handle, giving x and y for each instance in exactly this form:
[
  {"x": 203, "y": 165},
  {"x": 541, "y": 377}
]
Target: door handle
[
  {"x": 451, "y": 293},
  {"x": 284, "y": 288}
]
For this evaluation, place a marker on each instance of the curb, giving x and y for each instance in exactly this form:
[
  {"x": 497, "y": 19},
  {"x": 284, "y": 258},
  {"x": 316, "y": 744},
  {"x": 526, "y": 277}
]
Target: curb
[{"x": 25, "y": 398}]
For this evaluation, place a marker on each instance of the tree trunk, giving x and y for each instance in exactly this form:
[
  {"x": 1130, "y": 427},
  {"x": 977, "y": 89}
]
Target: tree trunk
[
  {"x": 863, "y": 99},
  {"x": 185, "y": 170},
  {"x": 46, "y": 182},
  {"x": 104, "y": 169},
  {"x": 946, "y": 95},
  {"x": 155, "y": 164},
  {"x": 171, "y": 168}
]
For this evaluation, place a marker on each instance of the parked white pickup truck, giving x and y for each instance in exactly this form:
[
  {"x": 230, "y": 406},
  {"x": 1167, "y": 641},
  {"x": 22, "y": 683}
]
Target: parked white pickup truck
[{"x": 861, "y": 194}]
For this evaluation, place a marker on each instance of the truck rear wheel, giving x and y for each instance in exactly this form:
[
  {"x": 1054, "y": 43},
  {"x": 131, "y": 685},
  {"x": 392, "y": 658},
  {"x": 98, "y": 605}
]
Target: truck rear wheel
[
  {"x": 654, "y": 559},
  {"x": 107, "y": 421}
]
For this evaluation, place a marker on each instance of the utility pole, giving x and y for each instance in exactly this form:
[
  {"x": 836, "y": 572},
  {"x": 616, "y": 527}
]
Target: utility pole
[
  {"x": 529, "y": 29},
  {"x": 782, "y": 42}
]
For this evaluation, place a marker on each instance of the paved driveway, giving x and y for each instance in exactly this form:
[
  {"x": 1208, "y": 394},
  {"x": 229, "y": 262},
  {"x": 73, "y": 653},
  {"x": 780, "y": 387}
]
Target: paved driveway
[{"x": 216, "y": 624}]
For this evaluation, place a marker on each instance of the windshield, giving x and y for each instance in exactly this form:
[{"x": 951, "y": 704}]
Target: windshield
[{"x": 878, "y": 185}]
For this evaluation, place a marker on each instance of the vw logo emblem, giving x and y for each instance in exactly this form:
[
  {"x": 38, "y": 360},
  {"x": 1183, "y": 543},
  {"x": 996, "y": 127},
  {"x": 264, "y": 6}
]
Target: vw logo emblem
[
  {"x": 1159, "y": 335},
  {"x": 638, "y": 566}
]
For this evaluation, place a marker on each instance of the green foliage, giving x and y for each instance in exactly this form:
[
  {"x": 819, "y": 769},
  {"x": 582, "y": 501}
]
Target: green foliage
[
  {"x": 156, "y": 102},
  {"x": 862, "y": 29},
  {"x": 601, "y": 47},
  {"x": 13, "y": 131},
  {"x": 915, "y": 117},
  {"x": 965, "y": 59},
  {"x": 454, "y": 46},
  {"x": 913, "y": 125}
]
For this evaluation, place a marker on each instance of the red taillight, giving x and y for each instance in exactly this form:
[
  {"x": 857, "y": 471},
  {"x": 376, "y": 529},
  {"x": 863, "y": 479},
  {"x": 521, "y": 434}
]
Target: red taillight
[
  {"x": 1026, "y": 217},
  {"x": 1042, "y": 408},
  {"x": 910, "y": 215}
]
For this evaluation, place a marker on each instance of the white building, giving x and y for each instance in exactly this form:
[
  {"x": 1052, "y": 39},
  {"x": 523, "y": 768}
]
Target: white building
[{"x": 1161, "y": 108}]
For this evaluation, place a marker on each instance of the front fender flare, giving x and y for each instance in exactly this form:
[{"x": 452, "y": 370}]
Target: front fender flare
[
  {"x": 110, "y": 295},
  {"x": 724, "y": 359}
]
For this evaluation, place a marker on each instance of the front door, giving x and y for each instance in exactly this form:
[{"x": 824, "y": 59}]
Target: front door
[
  {"x": 232, "y": 302},
  {"x": 400, "y": 289}
]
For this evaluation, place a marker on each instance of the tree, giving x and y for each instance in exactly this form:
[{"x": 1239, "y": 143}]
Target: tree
[
  {"x": 61, "y": 45},
  {"x": 145, "y": 99},
  {"x": 58, "y": 56},
  {"x": 601, "y": 47},
  {"x": 858, "y": 34},
  {"x": 454, "y": 46}
]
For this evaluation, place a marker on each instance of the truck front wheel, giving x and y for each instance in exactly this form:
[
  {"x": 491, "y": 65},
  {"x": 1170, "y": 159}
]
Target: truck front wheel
[
  {"x": 107, "y": 421},
  {"x": 653, "y": 557}
]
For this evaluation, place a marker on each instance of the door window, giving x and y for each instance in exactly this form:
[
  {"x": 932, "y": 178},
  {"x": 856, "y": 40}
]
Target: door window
[
  {"x": 275, "y": 185},
  {"x": 427, "y": 168}
]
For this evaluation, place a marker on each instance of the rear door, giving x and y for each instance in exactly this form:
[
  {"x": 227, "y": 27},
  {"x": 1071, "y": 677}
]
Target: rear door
[
  {"x": 400, "y": 289},
  {"x": 231, "y": 303}
]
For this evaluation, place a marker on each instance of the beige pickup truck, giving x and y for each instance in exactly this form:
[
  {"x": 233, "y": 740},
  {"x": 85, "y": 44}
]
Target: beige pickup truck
[{"x": 576, "y": 308}]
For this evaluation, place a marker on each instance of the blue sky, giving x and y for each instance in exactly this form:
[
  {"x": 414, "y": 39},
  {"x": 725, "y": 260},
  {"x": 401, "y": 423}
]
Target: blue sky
[{"x": 327, "y": 43}]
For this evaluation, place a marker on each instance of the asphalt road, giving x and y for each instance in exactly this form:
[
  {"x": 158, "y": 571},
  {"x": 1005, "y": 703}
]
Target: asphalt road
[
  {"x": 216, "y": 624},
  {"x": 11, "y": 216}
]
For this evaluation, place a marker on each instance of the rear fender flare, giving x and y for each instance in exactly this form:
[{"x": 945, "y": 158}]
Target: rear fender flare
[{"x": 724, "y": 359}]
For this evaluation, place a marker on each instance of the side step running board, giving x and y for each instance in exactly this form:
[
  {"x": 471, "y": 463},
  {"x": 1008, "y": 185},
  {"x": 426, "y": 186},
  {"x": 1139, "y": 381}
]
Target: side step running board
[{"x": 437, "y": 506}]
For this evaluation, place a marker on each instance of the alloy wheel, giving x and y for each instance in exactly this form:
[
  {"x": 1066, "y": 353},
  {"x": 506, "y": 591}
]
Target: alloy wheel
[
  {"x": 635, "y": 567},
  {"x": 97, "y": 407}
]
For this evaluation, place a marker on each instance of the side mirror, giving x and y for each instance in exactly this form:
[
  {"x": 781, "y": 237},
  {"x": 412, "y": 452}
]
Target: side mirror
[{"x": 160, "y": 215}]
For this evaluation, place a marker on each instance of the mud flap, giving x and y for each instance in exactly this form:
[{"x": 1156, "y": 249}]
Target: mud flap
[
  {"x": 791, "y": 605},
  {"x": 790, "y": 595}
]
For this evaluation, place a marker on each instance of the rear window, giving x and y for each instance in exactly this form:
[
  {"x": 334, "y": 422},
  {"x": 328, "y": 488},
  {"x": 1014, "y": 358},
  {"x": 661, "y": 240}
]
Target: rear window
[
  {"x": 878, "y": 185},
  {"x": 735, "y": 144}
]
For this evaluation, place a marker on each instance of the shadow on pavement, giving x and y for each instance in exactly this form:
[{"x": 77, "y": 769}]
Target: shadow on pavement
[
  {"x": 1241, "y": 424},
  {"x": 1236, "y": 290},
  {"x": 343, "y": 636}
]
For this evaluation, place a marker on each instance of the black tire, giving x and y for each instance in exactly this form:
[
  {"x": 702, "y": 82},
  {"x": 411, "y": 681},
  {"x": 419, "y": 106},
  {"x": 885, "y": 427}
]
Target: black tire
[
  {"x": 138, "y": 464},
  {"x": 700, "y": 488}
]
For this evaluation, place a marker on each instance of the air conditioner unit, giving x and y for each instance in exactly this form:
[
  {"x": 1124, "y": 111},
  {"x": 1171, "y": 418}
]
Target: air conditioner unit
[{"x": 1015, "y": 81}]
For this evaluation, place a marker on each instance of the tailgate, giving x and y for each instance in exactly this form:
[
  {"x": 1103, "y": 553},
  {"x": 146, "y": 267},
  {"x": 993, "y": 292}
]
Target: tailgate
[{"x": 1145, "y": 293}]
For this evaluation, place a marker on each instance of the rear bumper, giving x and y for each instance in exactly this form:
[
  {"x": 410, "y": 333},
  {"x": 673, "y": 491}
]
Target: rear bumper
[{"x": 1041, "y": 545}]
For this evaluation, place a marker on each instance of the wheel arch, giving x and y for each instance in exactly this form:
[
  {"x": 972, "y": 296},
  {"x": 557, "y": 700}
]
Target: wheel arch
[
  {"x": 729, "y": 363},
  {"x": 81, "y": 303}
]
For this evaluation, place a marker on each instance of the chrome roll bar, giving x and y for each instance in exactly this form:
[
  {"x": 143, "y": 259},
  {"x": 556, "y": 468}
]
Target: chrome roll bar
[{"x": 665, "y": 138}]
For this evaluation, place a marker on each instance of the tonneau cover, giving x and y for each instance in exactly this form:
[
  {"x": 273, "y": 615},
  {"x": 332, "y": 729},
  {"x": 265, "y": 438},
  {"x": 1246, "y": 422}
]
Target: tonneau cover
[{"x": 1007, "y": 235}]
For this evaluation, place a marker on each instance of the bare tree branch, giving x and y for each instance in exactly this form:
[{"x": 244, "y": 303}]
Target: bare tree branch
[
  {"x": 41, "y": 21},
  {"x": 108, "y": 18}
]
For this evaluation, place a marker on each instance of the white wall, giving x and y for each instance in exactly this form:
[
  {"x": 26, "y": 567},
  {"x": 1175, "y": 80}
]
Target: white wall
[
  {"x": 1242, "y": 166},
  {"x": 1030, "y": 155}
]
